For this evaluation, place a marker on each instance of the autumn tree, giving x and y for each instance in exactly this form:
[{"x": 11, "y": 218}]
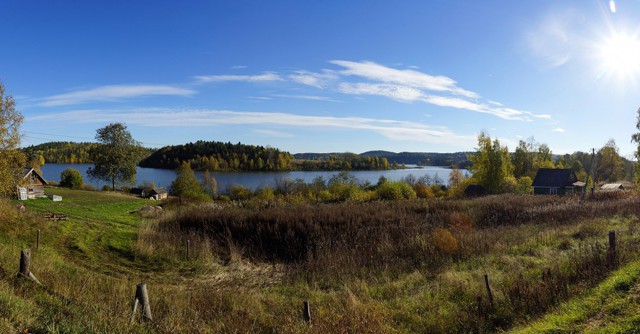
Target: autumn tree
[
  {"x": 12, "y": 160},
  {"x": 491, "y": 164},
  {"x": 609, "y": 167},
  {"x": 522, "y": 159},
  {"x": 186, "y": 184},
  {"x": 71, "y": 178},
  {"x": 635, "y": 138},
  {"x": 116, "y": 156}
]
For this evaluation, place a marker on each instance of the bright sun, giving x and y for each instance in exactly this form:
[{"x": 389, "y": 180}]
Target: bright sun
[{"x": 620, "y": 56}]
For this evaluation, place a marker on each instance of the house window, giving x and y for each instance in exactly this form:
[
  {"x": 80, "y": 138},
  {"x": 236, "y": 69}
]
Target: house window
[{"x": 553, "y": 191}]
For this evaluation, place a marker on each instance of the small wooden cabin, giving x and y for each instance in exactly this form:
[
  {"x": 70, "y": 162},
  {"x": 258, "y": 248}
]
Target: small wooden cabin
[
  {"x": 158, "y": 194},
  {"x": 554, "y": 181},
  {"x": 31, "y": 185}
]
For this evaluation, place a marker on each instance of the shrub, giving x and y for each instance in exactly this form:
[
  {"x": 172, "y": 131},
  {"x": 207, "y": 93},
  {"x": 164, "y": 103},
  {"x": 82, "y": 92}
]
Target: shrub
[
  {"x": 444, "y": 240},
  {"x": 106, "y": 187},
  {"x": 460, "y": 222},
  {"x": 238, "y": 192},
  {"x": 71, "y": 178},
  {"x": 395, "y": 191}
]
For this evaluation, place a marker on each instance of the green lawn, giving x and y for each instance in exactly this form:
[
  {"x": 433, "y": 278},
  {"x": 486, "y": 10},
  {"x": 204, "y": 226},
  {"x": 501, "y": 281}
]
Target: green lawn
[
  {"x": 100, "y": 230},
  {"x": 611, "y": 307}
]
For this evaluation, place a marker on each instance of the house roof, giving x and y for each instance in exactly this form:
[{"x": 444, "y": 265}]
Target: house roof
[
  {"x": 28, "y": 171},
  {"x": 612, "y": 186},
  {"x": 158, "y": 191},
  {"x": 555, "y": 178}
]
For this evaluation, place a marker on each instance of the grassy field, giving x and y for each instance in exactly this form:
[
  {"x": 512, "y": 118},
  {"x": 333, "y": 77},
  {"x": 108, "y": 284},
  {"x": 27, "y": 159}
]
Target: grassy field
[{"x": 383, "y": 267}]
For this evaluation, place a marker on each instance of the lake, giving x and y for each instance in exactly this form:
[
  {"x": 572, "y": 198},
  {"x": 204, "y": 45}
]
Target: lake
[{"x": 251, "y": 180}]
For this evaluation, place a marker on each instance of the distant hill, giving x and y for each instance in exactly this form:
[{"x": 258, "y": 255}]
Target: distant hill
[{"x": 411, "y": 158}]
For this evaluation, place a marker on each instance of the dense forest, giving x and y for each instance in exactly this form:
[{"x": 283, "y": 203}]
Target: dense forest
[
  {"x": 218, "y": 156},
  {"x": 64, "y": 152},
  {"x": 410, "y": 158},
  {"x": 60, "y": 152},
  {"x": 346, "y": 161}
]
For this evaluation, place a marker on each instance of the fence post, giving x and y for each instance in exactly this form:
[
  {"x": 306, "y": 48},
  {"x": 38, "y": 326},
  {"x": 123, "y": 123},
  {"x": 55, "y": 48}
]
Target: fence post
[
  {"x": 307, "y": 311},
  {"x": 25, "y": 262},
  {"x": 489, "y": 294},
  {"x": 611, "y": 253},
  {"x": 188, "y": 246},
  {"x": 142, "y": 298}
]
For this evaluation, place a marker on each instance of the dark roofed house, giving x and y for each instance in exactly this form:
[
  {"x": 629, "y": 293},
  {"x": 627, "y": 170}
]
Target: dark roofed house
[
  {"x": 31, "y": 185},
  {"x": 138, "y": 192},
  {"x": 554, "y": 181},
  {"x": 158, "y": 194},
  {"x": 475, "y": 190}
]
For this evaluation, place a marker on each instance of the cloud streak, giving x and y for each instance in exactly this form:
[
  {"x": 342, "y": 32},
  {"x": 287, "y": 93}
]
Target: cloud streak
[
  {"x": 163, "y": 117},
  {"x": 112, "y": 93},
  {"x": 264, "y": 77}
]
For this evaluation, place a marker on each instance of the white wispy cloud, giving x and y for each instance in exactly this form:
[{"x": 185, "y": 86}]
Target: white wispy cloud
[
  {"x": 112, "y": 93},
  {"x": 395, "y": 92},
  {"x": 561, "y": 130},
  {"x": 317, "y": 80},
  {"x": 238, "y": 67},
  {"x": 264, "y": 77},
  {"x": 408, "y": 78},
  {"x": 164, "y": 117},
  {"x": 273, "y": 133},
  {"x": 306, "y": 97}
]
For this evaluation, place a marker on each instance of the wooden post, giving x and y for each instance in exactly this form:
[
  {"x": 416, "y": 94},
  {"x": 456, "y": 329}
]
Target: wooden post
[
  {"x": 142, "y": 298},
  {"x": 489, "y": 294},
  {"x": 479, "y": 304},
  {"x": 25, "y": 262},
  {"x": 307, "y": 311},
  {"x": 188, "y": 246},
  {"x": 611, "y": 253},
  {"x": 612, "y": 241},
  {"x": 38, "y": 241}
]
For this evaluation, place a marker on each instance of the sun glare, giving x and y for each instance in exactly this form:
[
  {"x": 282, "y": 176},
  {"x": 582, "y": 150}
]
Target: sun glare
[{"x": 620, "y": 56}]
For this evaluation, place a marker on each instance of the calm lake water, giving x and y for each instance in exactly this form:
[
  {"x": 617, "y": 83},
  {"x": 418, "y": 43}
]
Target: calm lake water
[{"x": 251, "y": 180}]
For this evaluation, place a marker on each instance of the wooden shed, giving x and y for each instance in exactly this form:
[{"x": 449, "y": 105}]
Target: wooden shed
[
  {"x": 31, "y": 185},
  {"x": 158, "y": 194},
  {"x": 554, "y": 181}
]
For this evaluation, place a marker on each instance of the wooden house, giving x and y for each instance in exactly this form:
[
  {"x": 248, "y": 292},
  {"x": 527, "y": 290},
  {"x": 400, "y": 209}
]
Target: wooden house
[
  {"x": 474, "y": 190},
  {"x": 31, "y": 185},
  {"x": 554, "y": 181},
  {"x": 158, "y": 194}
]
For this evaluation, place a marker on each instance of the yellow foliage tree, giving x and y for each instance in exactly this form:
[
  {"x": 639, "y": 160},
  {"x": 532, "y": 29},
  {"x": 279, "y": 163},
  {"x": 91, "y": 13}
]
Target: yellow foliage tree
[{"x": 12, "y": 160}]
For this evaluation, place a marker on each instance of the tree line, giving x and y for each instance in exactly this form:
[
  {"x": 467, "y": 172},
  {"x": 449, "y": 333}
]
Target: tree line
[{"x": 499, "y": 171}]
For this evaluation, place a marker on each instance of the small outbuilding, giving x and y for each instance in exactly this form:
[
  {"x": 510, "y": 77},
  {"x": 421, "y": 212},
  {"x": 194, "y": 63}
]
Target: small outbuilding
[
  {"x": 554, "y": 181},
  {"x": 475, "y": 190},
  {"x": 138, "y": 192},
  {"x": 31, "y": 185},
  {"x": 158, "y": 194},
  {"x": 612, "y": 187}
]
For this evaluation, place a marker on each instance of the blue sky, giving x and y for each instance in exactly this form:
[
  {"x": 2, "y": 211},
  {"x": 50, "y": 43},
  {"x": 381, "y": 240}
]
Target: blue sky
[{"x": 327, "y": 76}]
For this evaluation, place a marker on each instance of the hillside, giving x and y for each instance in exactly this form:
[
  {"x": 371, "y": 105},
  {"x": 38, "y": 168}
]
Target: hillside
[{"x": 385, "y": 266}]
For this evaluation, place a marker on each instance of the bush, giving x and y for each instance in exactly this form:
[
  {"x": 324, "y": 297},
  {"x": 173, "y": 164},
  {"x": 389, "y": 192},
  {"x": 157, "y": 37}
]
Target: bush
[
  {"x": 106, "y": 187},
  {"x": 395, "y": 191},
  {"x": 71, "y": 178}
]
